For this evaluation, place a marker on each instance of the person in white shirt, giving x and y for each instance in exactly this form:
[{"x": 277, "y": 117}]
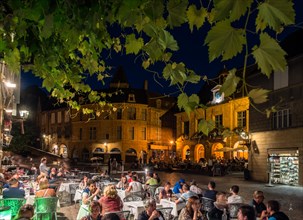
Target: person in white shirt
[
  {"x": 235, "y": 198},
  {"x": 186, "y": 195},
  {"x": 194, "y": 188},
  {"x": 134, "y": 185}
]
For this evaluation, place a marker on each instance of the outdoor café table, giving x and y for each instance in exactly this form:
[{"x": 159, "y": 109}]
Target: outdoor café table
[
  {"x": 121, "y": 193},
  {"x": 176, "y": 207},
  {"x": 69, "y": 187},
  {"x": 78, "y": 195},
  {"x": 135, "y": 207}
]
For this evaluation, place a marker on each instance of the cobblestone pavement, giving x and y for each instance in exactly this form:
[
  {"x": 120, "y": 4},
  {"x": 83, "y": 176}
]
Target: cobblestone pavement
[{"x": 286, "y": 195}]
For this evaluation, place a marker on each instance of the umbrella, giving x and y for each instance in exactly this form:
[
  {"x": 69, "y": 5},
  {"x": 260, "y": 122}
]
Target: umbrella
[
  {"x": 224, "y": 149},
  {"x": 95, "y": 158}
]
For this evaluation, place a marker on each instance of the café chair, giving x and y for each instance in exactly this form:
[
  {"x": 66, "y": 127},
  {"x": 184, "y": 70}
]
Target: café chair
[
  {"x": 166, "y": 212},
  {"x": 152, "y": 190},
  {"x": 46, "y": 208},
  {"x": 14, "y": 204},
  {"x": 233, "y": 209},
  {"x": 207, "y": 204}
]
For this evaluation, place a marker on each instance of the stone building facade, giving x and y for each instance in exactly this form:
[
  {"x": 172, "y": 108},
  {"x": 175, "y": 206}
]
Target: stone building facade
[
  {"x": 191, "y": 145},
  {"x": 130, "y": 130}
]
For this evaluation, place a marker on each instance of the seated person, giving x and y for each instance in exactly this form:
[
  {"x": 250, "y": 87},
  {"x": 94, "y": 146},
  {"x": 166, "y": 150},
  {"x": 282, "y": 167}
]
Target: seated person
[
  {"x": 257, "y": 203},
  {"x": 110, "y": 201},
  {"x": 166, "y": 192},
  {"x": 95, "y": 211},
  {"x": 13, "y": 191},
  {"x": 91, "y": 192},
  {"x": 151, "y": 180},
  {"x": 186, "y": 194},
  {"x": 246, "y": 212},
  {"x": 219, "y": 205},
  {"x": 194, "y": 188},
  {"x": 44, "y": 190},
  {"x": 83, "y": 183},
  {"x": 235, "y": 198},
  {"x": 123, "y": 183},
  {"x": 192, "y": 210},
  {"x": 210, "y": 192},
  {"x": 150, "y": 211},
  {"x": 26, "y": 212},
  {"x": 178, "y": 186},
  {"x": 273, "y": 212},
  {"x": 156, "y": 176},
  {"x": 134, "y": 185}
]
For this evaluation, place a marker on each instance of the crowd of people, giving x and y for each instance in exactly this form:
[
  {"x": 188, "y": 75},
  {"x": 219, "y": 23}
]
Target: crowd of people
[
  {"x": 181, "y": 192},
  {"x": 104, "y": 202}
]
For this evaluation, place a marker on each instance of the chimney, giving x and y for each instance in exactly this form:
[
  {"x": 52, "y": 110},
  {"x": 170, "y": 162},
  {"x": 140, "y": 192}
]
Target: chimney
[{"x": 145, "y": 85}]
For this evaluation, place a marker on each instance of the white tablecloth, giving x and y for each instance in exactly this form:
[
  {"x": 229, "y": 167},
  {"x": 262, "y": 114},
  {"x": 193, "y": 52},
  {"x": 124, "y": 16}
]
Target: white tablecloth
[
  {"x": 121, "y": 193},
  {"x": 78, "y": 195},
  {"x": 176, "y": 207},
  {"x": 68, "y": 187},
  {"x": 136, "y": 207}
]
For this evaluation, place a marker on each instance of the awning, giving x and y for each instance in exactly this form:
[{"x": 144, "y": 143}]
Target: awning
[
  {"x": 158, "y": 147},
  {"x": 283, "y": 151}
]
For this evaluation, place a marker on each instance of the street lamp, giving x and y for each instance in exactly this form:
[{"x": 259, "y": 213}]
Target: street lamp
[{"x": 105, "y": 145}]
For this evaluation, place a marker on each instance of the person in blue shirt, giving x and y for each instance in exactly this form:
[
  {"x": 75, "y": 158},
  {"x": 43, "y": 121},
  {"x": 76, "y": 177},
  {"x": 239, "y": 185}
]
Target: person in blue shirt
[
  {"x": 13, "y": 191},
  {"x": 273, "y": 212},
  {"x": 178, "y": 186}
]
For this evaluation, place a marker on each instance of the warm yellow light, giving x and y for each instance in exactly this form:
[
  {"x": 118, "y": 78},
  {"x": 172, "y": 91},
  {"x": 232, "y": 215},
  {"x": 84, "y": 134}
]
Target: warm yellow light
[{"x": 10, "y": 85}]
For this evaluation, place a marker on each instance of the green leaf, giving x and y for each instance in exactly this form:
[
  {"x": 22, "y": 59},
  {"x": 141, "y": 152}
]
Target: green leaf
[
  {"x": 175, "y": 73},
  {"x": 133, "y": 45},
  {"x": 12, "y": 58},
  {"x": 166, "y": 40},
  {"x": 230, "y": 84},
  {"x": 176, "y": 12},
  {"x": 154, "y": 9},
  {"x": 206, "y": 126},
  {"x": 275, "y": 14},
  {"x": 224, "y": 40},
  {"x": 259, "y": 95},
  {"x": 196, "y": 17},
  {"x": 48, "y": 83},
  {"x": 230, "y": 9},
  {"x": 2, "y": 45},
  {"x": 146, "y": 64},
  {"x": 269, "y": 55},
  {"x": 194, "y": 98},
  {"x": 227, "y": 133},
  {"x": 47, "y": 29},
  {"x": 182, "y": 100},
  {"x": 193, "y": 78},
  {"x": 154, "y": 50}
]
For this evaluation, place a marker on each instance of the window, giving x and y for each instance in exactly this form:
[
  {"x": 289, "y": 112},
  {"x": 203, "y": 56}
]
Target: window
[
  {"x": 119, "y": 113},
  {"x": 186, "y": 128},
  {"x": 53, "y": 118},
  {"x": 281, "y": 79},
  {"x": 92, "y": 133},
  {"x": 43, "y": 119},
  {"x": 119, "y": 132},
  {"x": 59, "y": 117},
  {"x": 219, "y": 121},
  {"x": 281, "y": 119},
  {"x": 144, "y": 114},
  {"x": 80, "y": 134},
  {"x": 143, "y": 133},
  {"x": 131, "y": 98},
  {"x": 59, "y": 132},
  {"x": 67, "y": 131},
  {"x": 66, "y": 116},
  {"x": 131, "y": 113},
  {"x": 131, "y": 133},
  {"x": 241, "y": 117}
]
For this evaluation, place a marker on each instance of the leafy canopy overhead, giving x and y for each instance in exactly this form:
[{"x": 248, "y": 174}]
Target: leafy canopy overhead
[{"x": 65, "y": 41}]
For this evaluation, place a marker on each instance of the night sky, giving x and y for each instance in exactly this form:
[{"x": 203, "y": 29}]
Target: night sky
[{"x": 191, "y": 52}]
